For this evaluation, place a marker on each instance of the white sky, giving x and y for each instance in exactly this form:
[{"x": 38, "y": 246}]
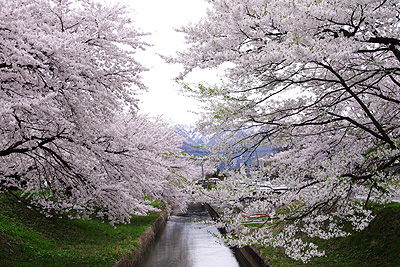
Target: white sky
[{"x": 160, "y": 17}]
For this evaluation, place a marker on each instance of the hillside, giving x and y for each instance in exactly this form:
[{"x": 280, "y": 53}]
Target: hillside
[
  {"x": 27, "y": 238},
  {"x": 378, "y": 245}
]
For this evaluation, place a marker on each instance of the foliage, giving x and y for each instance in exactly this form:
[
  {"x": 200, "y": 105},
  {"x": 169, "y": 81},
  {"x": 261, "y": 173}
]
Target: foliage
[
  {"x": 378, "y": 245},
  {"x": 320, "y": 80},
  {"x": 27, "y": 238},
  {"x": 70, "y": 135}
]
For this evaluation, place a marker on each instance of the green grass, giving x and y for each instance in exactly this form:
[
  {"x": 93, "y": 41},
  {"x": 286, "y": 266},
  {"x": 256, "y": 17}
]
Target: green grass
[
  {"x": 377, "y": 245},
  {"x": 27, "y": 238}
]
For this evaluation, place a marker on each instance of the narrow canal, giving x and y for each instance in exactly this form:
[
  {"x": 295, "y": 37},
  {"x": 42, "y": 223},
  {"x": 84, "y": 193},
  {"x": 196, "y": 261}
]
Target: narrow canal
[{"x": 185, "y": 242}]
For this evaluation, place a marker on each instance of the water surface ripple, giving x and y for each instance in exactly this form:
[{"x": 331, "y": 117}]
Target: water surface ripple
[{"x": 187, "y": 242}]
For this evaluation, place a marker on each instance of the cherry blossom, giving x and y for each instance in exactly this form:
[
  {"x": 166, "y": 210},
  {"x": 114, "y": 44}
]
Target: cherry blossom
[
  {"x": 71, "y": 138},
  {"x": 320, "y": 81}
]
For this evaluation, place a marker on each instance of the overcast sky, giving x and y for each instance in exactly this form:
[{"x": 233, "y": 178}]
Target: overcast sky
[{"x": 160, "y": 17}]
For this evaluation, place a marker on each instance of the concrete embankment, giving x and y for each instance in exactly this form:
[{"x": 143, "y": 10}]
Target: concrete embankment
[
  {"x": 145, "y": 240},
  {"x": 252, "y": 257}
]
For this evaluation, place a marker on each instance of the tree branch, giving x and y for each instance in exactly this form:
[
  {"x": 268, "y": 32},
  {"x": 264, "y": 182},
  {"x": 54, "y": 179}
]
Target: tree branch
[{"x": 383, "y": 133}]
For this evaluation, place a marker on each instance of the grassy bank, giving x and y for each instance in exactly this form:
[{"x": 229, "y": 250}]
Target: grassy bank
[
  {"x": 378, "y": 245},
  {"x": 27, "y": 238}
]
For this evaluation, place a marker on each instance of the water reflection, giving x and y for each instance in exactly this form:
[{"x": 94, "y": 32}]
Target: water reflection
[{"x": 185, "y": 242}]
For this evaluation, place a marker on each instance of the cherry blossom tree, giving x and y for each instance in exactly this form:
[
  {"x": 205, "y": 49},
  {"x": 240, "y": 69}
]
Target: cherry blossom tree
[
  {"x": 320, "y": 81},
  {"x": 71, "y": 137}
]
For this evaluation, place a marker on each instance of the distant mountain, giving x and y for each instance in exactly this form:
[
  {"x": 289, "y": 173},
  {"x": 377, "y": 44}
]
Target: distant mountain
[
  {"x": 191, "y": 135},
  {"x": 196, "y": 143}
]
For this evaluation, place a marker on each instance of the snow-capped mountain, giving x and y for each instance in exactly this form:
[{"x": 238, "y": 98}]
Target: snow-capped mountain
[
  {"x": 191, "y": 135},
  {"x": 195, "y": 142}
]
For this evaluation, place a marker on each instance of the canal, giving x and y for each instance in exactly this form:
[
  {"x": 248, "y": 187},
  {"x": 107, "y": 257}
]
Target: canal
[{"x": 187, "y": 242}]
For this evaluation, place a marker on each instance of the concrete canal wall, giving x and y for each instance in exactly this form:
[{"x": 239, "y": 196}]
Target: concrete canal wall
[
  {"x": 145, "y": 240},
  {"x": 252, "y": 257}
]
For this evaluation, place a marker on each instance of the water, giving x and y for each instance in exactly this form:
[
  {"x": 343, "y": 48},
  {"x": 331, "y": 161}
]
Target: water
[{"x": 185, "y": 242}]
